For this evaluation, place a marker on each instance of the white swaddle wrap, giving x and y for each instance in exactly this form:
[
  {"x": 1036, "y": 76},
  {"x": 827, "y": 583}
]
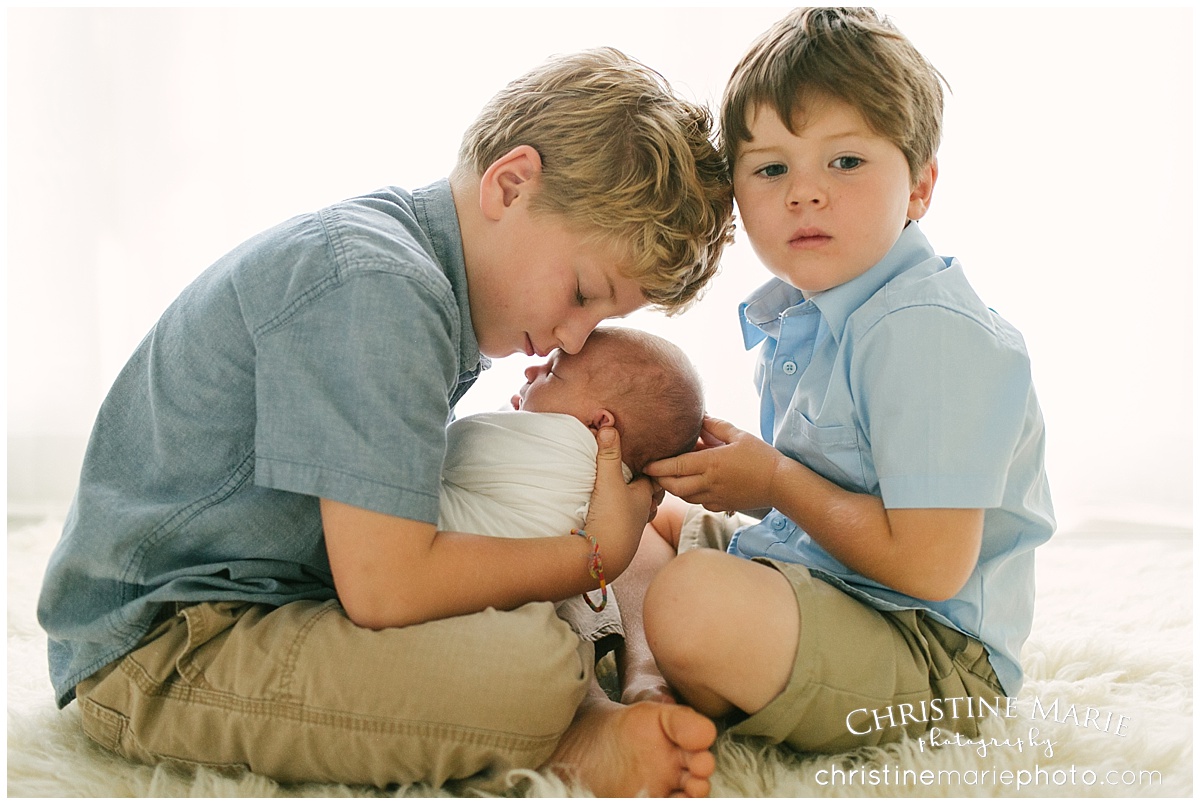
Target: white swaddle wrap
[
  {"x": 525, "y": 474},
  {"x": 517, "y": 474}
]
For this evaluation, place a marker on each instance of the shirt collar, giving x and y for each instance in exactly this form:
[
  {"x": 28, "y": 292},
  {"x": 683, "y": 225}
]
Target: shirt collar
[
  {"x": 435, "y": 209},
  {"x": 761, "y": 312}
]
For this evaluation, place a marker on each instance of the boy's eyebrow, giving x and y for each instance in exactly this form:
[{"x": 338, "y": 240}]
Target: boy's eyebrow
[
  {"x": 744, "y": 151},
  {"x": 849, "y": 134},
  {"x": 841, "y": 135}
]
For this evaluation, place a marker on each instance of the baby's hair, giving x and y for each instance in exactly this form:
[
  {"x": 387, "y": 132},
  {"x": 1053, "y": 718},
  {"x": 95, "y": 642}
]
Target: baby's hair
[
  {"x": 653, "y": 391},
  {"x": 851, "y": 54},
  {"x": 625, "y": 161}
]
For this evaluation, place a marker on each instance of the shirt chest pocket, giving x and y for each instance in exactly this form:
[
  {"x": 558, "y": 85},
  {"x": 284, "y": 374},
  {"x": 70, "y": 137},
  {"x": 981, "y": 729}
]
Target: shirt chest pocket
[{"x": 832, "y": 451}]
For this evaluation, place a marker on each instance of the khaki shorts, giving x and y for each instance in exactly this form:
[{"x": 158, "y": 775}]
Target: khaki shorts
[
  {"x": 861, "y": 677},
  {"x": 299, "y": 693}
]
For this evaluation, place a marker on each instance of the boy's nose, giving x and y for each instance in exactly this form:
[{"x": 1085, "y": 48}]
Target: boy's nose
[
  {"x": 572, "y": 335},
  {"x": 805, "y": 192}
]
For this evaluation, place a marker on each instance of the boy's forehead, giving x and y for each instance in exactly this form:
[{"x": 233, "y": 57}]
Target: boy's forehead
[
  {"x": 826, "y": 118},
  {"x": 806, "y": 107},
  {"x": 627, "y": 293}
]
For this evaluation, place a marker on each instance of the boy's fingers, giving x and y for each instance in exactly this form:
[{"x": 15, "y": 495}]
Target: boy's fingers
[
  {"x": 677, "y": 466},
  {"x": 679, "y": 487},
  {"x": 719, "y": 428},
  {"x": 608, "y": 463},
  {"x": 608, "y": 441},
  {"x": 663, "y": 468}
]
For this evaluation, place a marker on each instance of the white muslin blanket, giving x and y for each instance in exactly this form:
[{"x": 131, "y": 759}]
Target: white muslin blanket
[{"x": 517, "y": 474}]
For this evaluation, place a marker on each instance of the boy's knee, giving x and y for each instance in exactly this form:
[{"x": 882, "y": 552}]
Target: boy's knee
[
  {"x": 681, "y": 608},
  {"x": 546, "y": 671}
]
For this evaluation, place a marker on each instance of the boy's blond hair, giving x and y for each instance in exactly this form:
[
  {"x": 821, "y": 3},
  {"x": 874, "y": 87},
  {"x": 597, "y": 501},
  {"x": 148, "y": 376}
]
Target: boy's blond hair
[
  {"x": 652, "y": 389},
  {"x": 624, "y": 161},
  {"x": 850, "y": 54}
]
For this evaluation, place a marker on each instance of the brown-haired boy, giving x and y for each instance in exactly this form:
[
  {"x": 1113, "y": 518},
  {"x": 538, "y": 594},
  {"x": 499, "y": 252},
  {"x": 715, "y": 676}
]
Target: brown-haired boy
[
  {"x": 251, "y": 576},
  {"x": 899, "y": 477}
]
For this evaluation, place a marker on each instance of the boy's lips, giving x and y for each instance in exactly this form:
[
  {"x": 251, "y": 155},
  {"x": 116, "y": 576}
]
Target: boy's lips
[
  {"x": 531, "y": 348},
  {"x": 809, "y": 238}
]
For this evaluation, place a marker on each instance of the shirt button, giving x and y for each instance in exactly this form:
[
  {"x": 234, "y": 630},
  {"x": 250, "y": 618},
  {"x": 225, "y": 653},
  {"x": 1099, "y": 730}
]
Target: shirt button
[{"x": 789, "y": 367}]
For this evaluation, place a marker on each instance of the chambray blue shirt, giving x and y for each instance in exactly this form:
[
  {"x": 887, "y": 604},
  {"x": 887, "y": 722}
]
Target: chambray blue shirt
[
  {"x": 320, "y": 359},
  {"x": 902, "y": 384}
]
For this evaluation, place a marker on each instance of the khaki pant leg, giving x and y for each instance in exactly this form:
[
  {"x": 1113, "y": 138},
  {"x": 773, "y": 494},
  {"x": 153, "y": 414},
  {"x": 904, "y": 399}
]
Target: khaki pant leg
[
  {"x": 605, "y": 629},
  {"x": 861, "y": 677},
  {"x": 299, "y": 693},
  {"x": 866, "y": 678},
  {"x": 704, "y": 529}
]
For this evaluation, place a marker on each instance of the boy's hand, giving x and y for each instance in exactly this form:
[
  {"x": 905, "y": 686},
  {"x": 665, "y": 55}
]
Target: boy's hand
[
  {"x": 730, "y": 470},
  {"x": 618, "y": 511}
]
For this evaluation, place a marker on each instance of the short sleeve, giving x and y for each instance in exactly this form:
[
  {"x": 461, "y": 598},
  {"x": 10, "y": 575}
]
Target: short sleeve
[
  {"x": 942, "y": 396},
  {"x": 353, "y": 392}
]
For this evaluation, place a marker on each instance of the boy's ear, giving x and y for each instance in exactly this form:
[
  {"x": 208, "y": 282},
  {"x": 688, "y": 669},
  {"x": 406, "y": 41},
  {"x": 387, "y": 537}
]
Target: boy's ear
[
  {"x": 509, "y": 178},
  {"x": 603, "y": 418},
  {"x": 922, "y": 191}
]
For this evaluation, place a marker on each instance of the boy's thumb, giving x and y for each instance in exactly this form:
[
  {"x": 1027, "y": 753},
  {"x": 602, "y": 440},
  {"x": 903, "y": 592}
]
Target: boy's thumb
[{"x": 608, "y": 442}]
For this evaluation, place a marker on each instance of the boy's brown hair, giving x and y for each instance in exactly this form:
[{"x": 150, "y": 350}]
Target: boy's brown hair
[
  {"x": 624, "y": 160},
  {"x": 850, "y": 54}
]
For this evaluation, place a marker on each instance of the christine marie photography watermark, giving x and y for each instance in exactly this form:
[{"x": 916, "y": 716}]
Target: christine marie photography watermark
[{"x": 1026, "y": 751}]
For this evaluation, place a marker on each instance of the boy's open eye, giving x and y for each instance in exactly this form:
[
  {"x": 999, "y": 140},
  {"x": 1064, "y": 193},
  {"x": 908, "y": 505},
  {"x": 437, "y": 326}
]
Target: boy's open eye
[
  {"x": 847, "y": 163},
  {"x": 771, "y": 171}
]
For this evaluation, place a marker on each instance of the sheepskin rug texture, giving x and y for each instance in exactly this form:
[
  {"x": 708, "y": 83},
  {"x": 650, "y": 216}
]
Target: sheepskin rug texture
[{"x": 1106, "y": 710}]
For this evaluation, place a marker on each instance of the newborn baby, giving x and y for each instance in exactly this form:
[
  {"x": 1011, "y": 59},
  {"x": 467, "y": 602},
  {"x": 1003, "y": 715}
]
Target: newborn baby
[{"x": 529, "y": 472}]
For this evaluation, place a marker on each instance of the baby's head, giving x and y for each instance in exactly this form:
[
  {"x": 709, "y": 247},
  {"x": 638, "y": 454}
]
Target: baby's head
[
  {"x": 641, "y": 384},
  {"x": 850, "y": 55}
]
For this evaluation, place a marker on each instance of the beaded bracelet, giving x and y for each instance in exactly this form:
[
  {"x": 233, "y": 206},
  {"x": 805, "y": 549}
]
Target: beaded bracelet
[{"x": 596, "y": 568}]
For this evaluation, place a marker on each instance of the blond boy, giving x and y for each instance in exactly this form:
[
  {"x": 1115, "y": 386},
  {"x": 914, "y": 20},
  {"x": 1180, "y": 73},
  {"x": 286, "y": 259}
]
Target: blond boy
[{"x": 251, "y": 575}]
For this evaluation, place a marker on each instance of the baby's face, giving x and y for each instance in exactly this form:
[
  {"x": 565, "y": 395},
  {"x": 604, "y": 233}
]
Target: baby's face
[{"x": 562, "y": 385}]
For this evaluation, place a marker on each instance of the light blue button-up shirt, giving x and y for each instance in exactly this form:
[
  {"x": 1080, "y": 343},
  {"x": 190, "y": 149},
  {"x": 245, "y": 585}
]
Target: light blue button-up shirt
[
  {"x": 902, "y": 384},
  {"x": 320, "y": 359}
]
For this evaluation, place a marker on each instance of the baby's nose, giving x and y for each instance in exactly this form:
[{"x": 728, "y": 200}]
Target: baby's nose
[{"x": 535, "y": 371}]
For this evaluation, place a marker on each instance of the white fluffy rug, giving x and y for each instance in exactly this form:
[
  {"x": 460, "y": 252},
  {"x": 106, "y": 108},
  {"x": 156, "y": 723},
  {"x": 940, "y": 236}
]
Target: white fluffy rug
[{"x": 1111, "y": 646}]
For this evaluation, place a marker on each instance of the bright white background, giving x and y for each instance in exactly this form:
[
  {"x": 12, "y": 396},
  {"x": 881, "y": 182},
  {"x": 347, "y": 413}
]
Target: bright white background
[{"x": 144, "y": 143}]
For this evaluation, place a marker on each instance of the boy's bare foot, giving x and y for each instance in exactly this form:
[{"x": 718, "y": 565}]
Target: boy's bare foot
[{"x": 649, "y": 748}]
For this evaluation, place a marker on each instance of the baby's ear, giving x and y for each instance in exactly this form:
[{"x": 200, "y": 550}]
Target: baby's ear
[{"x": 603, "y": 418}]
